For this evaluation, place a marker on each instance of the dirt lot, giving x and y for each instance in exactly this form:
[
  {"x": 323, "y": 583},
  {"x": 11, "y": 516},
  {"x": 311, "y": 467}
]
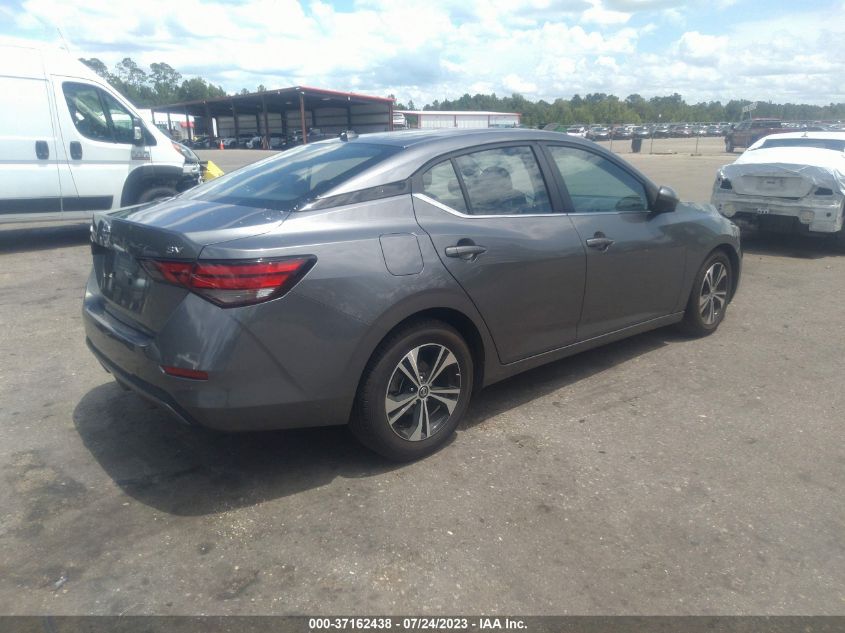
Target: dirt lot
[{"x": 655, "y": 476}]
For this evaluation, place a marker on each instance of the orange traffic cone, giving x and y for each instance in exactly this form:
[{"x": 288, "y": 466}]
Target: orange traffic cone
[{"x": 221, "y": 143}]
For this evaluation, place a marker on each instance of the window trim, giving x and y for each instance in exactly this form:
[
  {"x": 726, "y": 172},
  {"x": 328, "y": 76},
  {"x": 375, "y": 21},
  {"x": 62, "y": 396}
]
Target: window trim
[
  {"x": 554, "y": 194},
  {"x": 648, "y": 187}
]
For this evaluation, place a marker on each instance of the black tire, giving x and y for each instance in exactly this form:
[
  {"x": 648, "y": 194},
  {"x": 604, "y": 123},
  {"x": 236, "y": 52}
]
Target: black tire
[
  {"x": 156, "y": 193},
  {"x": 698, "y": 319},
  {"x": 384, "y": 378}
]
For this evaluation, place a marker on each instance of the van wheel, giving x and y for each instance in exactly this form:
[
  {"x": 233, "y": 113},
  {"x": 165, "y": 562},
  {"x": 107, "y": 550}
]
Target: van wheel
[
  {"x": 156, "y": 193},
  {"x": 709, "y": 298},
  {"x": 414, "y": 391}
]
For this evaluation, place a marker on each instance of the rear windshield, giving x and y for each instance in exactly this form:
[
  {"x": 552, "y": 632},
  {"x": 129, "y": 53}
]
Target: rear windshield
[
  {"x": 291, "y": 179},
  {"x": 837, "y": 145}
]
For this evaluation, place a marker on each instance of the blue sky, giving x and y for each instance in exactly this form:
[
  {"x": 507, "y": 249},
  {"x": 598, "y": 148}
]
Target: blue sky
[{"x": 434, "y": 49}]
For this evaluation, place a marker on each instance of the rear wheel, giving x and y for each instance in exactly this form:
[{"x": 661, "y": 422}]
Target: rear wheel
[
  {"x": 709, "y": 298},
  {"x": 156, "y": 193},
  {"x": 414, "y": 391}
]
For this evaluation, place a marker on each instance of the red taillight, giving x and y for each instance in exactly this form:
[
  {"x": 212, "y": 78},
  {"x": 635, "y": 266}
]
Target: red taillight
[
  {"x": 181, "y": 372},
  {"x": 234, "y": 283}
]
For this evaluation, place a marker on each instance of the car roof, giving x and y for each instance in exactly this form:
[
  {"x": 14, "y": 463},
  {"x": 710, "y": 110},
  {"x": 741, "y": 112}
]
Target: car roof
[
  {"x": 833, "y": 136},
  {"x": 418, "y": 147}
]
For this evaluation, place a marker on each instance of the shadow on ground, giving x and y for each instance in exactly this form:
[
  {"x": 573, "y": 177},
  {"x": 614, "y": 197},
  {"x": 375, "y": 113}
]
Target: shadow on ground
[
  {"x": 190, "y": 471},
  {"x": 791, "y": 245},
  {"x": 37, "y": 238}
]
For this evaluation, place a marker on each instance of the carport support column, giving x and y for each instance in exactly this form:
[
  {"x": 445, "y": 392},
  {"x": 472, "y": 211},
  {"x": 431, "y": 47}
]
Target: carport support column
[
  {"x": 188, "y": 124},
  {"x": 209, "y": 124},
  {"x": 169, "y": 126},
  {"x": 266, "y": 142},
  {"x": 390, "y": 117},
  {"x": 237, "y": 127},
  {"x": 302, "y": 118}
]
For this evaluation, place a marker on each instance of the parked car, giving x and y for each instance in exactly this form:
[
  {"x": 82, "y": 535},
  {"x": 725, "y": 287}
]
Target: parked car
[
  {"x": 577, "y": 130},
  {"x": 71, "y": 144},
  {"x": 788, "y": 182},
  {"x": 746, "y": 133},
  {"x": 383, "y": 279},
  {"x": 622, "y": 132},
  {"x": 641, "y": 131},
  {"x": 599, "y": 133},
  {"x": 229, "y": 142},
  {"x": 662, "y": 131}
]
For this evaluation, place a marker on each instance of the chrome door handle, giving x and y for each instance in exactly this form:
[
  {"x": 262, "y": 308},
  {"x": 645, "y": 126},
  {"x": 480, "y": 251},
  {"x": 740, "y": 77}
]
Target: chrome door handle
[
  {"x": 600, "y": 243},
  {"x": 467, "y": 252}
]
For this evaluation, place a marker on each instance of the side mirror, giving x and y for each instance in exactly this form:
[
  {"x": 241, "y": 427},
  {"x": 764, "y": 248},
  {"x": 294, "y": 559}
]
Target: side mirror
[
  {"x": 137, "y": 133},
  {"x": 667, "y": 200}
]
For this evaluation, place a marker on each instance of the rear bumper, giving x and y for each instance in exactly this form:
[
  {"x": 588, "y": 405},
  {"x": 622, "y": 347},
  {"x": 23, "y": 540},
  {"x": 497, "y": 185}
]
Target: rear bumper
[
  {"x": 247, "y": 389},
  {"x": 810, "y": 213}
]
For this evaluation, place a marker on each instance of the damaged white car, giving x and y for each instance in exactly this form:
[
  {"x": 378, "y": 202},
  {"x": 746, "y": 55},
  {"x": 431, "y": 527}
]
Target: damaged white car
[{"x": 793, "y": 182}]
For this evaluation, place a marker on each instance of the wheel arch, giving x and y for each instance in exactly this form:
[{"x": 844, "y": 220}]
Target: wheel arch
[{"x": 142, "y": 178}]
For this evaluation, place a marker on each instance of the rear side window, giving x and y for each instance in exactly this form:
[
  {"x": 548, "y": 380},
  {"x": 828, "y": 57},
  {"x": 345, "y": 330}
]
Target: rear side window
[
  {"x": 595, "y": 184},
  {"x": 441, "y": 183},
  {"x": 504, "y": 181},
  {"x": 291, "y": 179},
  {"x": 97, "y": 115}
]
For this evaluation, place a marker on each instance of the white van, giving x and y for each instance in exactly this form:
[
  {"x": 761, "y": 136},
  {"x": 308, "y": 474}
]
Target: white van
[{"x": 70, "y": 144}]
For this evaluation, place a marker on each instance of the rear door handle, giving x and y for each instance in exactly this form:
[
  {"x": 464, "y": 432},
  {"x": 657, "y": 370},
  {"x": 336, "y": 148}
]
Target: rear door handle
[
  {"x": 600, "y": 243},
  {"x": 42, "y": 150},
  {"x": 76, "y": 150},
  {"x": 467, "y": 252}
]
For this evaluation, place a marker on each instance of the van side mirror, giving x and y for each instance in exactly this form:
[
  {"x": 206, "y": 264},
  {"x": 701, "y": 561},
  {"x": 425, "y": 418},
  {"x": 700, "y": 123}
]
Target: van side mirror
[
  {"x": 137, "y": 133},
  {"x": 667, "y": 200}
]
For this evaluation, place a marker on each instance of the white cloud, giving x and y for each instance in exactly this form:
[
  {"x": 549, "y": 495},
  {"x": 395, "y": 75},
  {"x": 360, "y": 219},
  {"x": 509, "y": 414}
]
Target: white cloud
[{"x": 435, "y": 49}]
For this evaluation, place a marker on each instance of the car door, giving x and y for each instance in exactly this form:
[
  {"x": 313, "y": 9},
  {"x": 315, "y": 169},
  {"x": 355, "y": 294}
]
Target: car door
[
  {"x": 97, "y": 131},
  {"x": 498, "y": 229},
  {"x": 29, "y": 176},
  {"x": 635, "y": 258}
]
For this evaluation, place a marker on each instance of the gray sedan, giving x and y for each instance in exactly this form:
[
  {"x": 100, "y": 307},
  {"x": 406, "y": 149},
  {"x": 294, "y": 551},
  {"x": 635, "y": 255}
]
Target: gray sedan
[{"x": 381, "y": 280}]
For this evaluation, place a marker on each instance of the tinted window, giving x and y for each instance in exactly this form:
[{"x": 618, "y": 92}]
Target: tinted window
[
  {"x": 289, "y": 180},
  {"x": 504, "y": 181},
  {"x": 595, "y": 184},
  {"x": 441, "y": 183}
]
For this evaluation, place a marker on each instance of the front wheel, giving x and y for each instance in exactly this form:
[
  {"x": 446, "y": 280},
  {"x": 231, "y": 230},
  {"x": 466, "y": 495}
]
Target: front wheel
[
  {"x": 709, "y": 298},
  {"x": 414, "y": 391}
]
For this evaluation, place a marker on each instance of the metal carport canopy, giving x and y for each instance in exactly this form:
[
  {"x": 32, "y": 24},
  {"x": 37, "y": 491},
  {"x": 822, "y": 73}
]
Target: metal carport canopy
[{"x": 285, "y": 109}]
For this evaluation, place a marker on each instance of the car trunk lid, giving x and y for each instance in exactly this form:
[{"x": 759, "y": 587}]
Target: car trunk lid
[{"x": 174, "y": 230}]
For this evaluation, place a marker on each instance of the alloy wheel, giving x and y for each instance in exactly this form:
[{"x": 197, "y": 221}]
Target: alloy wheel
[
  {"x": 714, "y": 293},
  {"x": 423, "y": 391}
]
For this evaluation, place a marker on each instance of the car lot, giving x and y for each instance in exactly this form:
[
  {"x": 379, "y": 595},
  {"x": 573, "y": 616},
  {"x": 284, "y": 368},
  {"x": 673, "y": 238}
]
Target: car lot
[{"x": 656, "y": 475}]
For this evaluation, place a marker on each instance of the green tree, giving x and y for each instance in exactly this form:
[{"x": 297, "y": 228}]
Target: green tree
[{"x": 165, "y": 81}]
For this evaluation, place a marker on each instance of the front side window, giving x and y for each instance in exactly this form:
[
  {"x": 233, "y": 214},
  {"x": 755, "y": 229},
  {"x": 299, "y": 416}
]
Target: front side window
[
  {"x": 121, "y": 119},
  {"x": 293, "y": 178},
  {"x": 595, "y": 184},
  {"x": 87, "y": 112},
  {"x": 504, "y": 181}
]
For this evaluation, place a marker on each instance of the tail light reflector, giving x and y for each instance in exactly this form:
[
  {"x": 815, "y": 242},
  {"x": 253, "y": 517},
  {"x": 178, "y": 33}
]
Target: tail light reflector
[
  {"x": 181, "y": 372},
  {"x": 236, "y": 282}
]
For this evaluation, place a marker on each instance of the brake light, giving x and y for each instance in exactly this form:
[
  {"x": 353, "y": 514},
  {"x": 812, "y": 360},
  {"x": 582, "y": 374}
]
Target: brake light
[{"x": 233, "y": 283}]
